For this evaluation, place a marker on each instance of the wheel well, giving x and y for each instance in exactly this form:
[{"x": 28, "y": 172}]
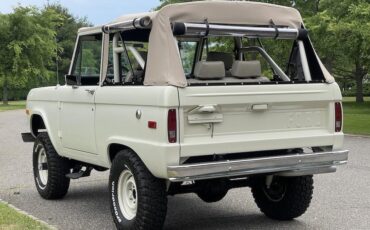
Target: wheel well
[
  {"x": 114, "y": 149},
  {"x": 37, "y": 123}
]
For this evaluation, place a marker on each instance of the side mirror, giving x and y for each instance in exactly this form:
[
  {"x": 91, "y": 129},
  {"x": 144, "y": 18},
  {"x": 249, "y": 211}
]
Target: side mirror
[{"x": 71, "y": 80}]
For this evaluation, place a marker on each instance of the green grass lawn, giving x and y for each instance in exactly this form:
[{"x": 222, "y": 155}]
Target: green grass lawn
[
  {"x": 10, "y": 219},
  {"x": 356, "y": 116},
  {"x": 13, "y": 105}
]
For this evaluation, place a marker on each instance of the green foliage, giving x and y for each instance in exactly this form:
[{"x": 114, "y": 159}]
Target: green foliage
[
  {"x": 35, "y": 43},
  {"x": 27, "y": 36},
  {"x": 88, "y": 58},
  {"x": 187, "y": 53},
  {"x": 26, "y": 46},
  {"x": 351, "y": 92},
  {"x": 66, "y": 34},
  {"x": 341, "y": 34}
]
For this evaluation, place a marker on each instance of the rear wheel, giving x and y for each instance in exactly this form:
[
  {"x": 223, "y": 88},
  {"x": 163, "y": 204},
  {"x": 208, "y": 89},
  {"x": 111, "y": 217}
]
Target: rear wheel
[
  {"x": 286, "y": 198},
  {"x": 138, "y": 199},
  {"x": 49, "y": 169}
]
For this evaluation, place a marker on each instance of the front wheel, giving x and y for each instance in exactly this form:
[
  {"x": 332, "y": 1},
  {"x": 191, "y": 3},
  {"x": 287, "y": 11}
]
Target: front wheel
[
  {"x": 286, "y": 198},
  {"x": 49, "y": 169},
  {"x": 138, "y": 199}
]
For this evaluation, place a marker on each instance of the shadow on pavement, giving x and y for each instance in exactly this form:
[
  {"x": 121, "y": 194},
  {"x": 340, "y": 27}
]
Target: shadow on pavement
[{"x": 189, "y": 212}]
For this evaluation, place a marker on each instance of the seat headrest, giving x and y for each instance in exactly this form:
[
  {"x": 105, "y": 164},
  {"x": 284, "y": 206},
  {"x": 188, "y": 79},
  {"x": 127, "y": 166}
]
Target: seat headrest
[
  {"x": 227, "y": 58},
  {"x": 206, "y": 70},
  {"x": 246, "y": 69}
]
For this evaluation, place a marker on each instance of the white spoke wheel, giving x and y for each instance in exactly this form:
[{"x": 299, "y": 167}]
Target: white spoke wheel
[
  {"x": 49, "y": 169},
  {"x": 127, "y": 194},
  {"x": 138, "y": 199},
  {"x": 42, "y": 166}
]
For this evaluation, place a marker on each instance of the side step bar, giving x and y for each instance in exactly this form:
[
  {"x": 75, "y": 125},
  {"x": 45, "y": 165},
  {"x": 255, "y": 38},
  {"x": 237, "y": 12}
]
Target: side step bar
[
  {"x": 78, "y": 172},
  {"x": 286, "y": 165}
]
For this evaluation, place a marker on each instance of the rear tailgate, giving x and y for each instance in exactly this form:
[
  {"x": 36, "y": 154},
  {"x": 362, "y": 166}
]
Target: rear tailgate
[{"x": 232, "y": 119}]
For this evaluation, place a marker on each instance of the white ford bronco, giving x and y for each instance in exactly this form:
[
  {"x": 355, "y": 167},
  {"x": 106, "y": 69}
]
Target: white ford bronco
[{"x": 200, "y": 97}]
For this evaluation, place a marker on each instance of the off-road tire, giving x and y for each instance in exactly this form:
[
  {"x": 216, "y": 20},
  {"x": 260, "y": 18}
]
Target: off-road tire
[
  {"x": 151, "y": 194},
  {"x": 57, "y": 183},
  {"x": 292, "y": 204},
  {"x": 212, "y": 190}
]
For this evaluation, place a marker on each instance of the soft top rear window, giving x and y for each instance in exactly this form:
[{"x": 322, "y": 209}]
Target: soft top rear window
[{"x": 220, "y": 60}]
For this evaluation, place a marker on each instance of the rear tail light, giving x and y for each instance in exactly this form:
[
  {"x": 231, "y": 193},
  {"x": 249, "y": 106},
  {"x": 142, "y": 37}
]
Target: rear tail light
[
  {"x": 338, "y": 117},
  {"x": 172, "y": 126}
]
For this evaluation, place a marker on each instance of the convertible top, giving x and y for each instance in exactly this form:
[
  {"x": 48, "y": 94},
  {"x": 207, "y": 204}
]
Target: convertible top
[{"x": 167, "y": 69}]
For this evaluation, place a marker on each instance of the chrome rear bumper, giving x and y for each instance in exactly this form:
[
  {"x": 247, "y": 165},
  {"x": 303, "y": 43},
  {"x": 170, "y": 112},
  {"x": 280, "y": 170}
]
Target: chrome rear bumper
[{"x": 286, "y": 165}]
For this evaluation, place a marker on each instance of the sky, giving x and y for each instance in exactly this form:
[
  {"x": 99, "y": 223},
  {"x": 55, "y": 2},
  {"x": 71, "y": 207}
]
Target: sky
[{"x": 97, "y": 11}]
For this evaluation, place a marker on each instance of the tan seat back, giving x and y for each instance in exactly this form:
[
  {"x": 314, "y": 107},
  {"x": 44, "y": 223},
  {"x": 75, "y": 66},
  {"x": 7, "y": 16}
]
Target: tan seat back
[
  {"x": 246, "y": 69},
  {"x": 206, "y": 70}
]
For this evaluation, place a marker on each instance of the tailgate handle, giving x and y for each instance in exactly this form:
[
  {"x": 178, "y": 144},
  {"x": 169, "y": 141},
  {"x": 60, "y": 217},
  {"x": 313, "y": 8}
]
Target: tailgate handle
[
  {"x": 260, "y": 107},
  {"x": 205, "y": 114},
  {"x": 207, "y": 109}
]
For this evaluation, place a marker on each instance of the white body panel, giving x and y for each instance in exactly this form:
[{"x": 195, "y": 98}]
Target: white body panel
[
  {"x": 77, "y": 110},
  {"x": 258, "y": 118},
  {"x": 82, "y": 126},
  {"x": 84, "y": 129}
]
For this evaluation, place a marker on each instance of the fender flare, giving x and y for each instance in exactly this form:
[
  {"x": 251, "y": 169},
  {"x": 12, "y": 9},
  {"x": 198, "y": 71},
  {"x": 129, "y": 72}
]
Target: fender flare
[{"x": 46, "y": 123}]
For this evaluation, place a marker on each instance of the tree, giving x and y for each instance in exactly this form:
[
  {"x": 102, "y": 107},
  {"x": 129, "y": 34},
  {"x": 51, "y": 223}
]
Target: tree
[
  {"x": 36, "y": 46},
  {"x": 65, "y": 38},
  {"x": 27, "y": 46},
  {"x": 343, "y": 39}
]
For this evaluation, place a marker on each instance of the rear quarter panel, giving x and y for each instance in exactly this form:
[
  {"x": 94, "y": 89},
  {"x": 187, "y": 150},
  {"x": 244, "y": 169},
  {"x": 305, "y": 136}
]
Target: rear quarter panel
[{"x": 116, "y": 123}]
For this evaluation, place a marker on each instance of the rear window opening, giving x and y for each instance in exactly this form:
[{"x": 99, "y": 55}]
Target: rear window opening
[{"x": 236, "y": 60}]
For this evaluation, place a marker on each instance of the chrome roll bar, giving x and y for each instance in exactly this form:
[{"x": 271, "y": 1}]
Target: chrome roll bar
[
  {"x": 204, "y": 29},
  {"x": 267, "y": 57},
  {"x": 137, "y": 23}
]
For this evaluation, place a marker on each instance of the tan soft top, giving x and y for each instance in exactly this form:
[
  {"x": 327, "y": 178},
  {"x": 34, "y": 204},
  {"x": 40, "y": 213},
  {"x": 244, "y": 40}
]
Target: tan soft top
[{"x": 164, "y": 65}]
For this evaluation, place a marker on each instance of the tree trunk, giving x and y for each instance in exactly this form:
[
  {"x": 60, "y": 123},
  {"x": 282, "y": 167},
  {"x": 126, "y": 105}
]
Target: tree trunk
[
  {"x": 5, "y": 90},
  {"x": 359, "y": 85},
  {"x": 317, "y": 6}
]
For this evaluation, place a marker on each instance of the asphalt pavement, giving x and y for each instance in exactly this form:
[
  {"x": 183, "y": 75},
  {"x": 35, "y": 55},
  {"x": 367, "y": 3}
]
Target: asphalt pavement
[{"x": 341, "y": 200}]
